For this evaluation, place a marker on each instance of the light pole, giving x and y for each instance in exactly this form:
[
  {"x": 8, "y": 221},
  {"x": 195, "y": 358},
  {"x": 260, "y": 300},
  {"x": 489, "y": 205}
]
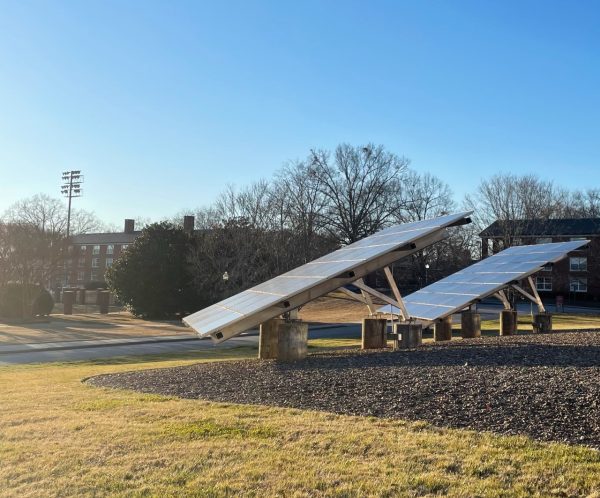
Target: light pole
[
  {"x": 426, "y": 270},
  {"x": 70, "y": 188}
]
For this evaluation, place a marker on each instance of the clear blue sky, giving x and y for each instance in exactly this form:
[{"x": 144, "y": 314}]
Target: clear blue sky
[{"x": 161, "y": 104}]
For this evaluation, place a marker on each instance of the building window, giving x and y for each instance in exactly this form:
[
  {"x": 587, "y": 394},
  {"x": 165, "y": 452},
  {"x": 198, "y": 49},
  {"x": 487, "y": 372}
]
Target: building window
[
  {"x": 81, "y": 276},
  {"x": 578, "y": 264},
  {"x": 543, "y": 240},
  {"x": 109, "y": 262},
  {"x": 578, "y": 284},
  {"x": 96, "y": 250},
  {"x": 110, "y": 249},
  {"x": 574, "y": 239},
  {"x": 81, "y": 261},
  {"x": 96, "y": 263},
  {"x": 543, "y": 284},
  {"x": 124, "y": 247},
  {"x": 83, "y": 248},
  {"x": 94, "y": 276}
]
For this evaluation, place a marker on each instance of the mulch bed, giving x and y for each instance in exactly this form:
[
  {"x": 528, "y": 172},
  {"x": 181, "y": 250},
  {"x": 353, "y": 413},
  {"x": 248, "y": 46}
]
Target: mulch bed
[{"x": 544, "y": 386}]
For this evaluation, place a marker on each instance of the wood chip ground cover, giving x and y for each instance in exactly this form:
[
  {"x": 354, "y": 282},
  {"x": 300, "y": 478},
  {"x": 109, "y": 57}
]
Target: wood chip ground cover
[{"x": 543, "y": 386}]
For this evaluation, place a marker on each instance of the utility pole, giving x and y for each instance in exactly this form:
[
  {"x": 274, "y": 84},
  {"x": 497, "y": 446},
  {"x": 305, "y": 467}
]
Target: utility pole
[{"x": 71, "y": 187}]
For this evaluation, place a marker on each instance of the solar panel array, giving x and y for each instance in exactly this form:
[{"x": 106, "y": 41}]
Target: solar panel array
[
  {"x": 482, "y": 279},
  {"x": 269, "y": 299}
]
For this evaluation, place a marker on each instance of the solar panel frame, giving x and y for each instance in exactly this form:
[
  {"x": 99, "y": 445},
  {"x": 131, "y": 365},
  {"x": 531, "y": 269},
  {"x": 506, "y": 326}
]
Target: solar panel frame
[
  {"x": 482, "y": 279},
  {"x": 294, "y": 288}
]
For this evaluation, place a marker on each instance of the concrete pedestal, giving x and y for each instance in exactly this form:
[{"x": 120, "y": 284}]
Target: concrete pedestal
[
  {"x": 103, "y": 301},
  {"x": 68, "y": 300},
  {"x": 293, "y": 341},
  {"x": 410, "y": 334},
  {"x": 374, "y": 333},
  {"x": 542, "y": 323},
  {"x": 508, "y": 322},
  {"x": 470, "y": 324},
  {"x": 268, "y": 340},
  {"x": 283, "y": 340},
  {"x": 442, "y": 330}
]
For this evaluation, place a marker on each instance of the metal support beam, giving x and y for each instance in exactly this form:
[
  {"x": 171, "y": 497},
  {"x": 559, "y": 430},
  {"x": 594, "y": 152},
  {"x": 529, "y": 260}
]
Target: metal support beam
[
  {"x": 529, "y": 296},
  {"x": 353, "y": 295},
  {"x": 390, "y": 278},
  {"x": 502, "y": 296},
  {"x": 538, "y": 299},
  {"x": 368, "y": 290},
  {"x": 366, "y": 296}
]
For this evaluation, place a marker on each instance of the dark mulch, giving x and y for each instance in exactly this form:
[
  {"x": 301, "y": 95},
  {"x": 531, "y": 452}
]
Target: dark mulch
[{"x": 545, "y": 386}]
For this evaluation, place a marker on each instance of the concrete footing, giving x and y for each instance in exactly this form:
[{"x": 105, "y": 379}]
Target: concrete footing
[
  {"x": 283, "y": 340},
  {"x": 542, "y": 323},
  {"x": 410, "y": 334},
  {"x": 442, "y": 329},
  {"x": 268, "y": 339},
  {"x": 470, "y": 324},
  {"x": 374, "y": 333},
  {"x": 68, "y": 299},
  {"x": 508, "y": 322}
]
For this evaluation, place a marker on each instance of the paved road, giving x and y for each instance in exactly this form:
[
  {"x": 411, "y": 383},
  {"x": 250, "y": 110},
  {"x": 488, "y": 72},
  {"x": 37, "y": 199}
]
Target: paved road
[{"x": 87, "y": 350}]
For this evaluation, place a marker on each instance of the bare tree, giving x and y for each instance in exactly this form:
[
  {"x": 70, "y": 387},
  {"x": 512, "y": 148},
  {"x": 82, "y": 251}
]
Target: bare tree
[
  {"x": 515, "y": 202},
  {"x": 50, "y": 215},
  {"x": 300, "y": 203},
  {"x": 424, "y": 196},
  {"x": 362, "y": 188},
  {"x": 28, "y": 254},
  {"x": 582, "y": 204}
]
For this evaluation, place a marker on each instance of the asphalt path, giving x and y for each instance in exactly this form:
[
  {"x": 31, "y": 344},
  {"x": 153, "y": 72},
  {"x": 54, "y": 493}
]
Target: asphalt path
[{"x": 89, "y": 350}]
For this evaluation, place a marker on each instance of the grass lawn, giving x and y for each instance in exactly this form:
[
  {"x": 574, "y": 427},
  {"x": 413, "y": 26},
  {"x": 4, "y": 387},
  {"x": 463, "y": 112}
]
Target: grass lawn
[{"x": 59, "y": 436}]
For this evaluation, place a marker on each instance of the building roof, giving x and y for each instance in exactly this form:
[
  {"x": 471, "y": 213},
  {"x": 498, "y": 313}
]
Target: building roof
[
  {"x": 105, "y": 238},
  {"x": 568, "y": 227}
]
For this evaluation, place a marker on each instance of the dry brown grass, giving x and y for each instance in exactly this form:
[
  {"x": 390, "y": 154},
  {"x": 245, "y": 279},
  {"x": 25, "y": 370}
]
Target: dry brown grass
[
  {"x": 333, "y": 310},
  {"x": 60, "y": 437}
]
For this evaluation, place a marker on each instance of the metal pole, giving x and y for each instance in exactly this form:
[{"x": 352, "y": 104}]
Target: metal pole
[
  {"x": 71, "y": 187},
  {"x": 69, "y": 209}
]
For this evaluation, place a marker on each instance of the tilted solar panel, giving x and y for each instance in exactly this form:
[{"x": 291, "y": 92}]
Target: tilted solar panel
[
  {"x": 453, "y": 293},
  {"x": 254, "y": 306}
]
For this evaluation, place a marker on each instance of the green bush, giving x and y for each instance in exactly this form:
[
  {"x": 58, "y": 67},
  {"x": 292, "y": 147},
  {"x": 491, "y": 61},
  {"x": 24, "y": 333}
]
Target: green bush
[
  {"x": 153, "y": 278},
  {"x": 24, "y": 300},
  {"x": 43, "y": 303}
]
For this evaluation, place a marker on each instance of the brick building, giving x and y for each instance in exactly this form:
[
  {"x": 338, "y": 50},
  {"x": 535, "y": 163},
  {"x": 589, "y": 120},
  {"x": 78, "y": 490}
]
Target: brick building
[
  {"x": 575, "y": 278},
  {"x": 91, "y": 254}
]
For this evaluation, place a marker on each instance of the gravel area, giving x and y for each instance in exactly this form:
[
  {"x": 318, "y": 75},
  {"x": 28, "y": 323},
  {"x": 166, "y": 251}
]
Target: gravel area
[{"x": 545, "y": 386}]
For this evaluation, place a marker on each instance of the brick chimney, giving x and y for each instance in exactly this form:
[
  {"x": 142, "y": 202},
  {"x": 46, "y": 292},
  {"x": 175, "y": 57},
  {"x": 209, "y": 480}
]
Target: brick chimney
[
  {"x": 129, "y": 226},
  {"x": 188, "y": 223}
]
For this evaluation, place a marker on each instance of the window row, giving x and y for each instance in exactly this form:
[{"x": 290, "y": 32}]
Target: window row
[
  {"x": 576, "y": 284},
  {"x": 110, "y": 248},
  {"x": 96, "y": 262},
  {"x": 576, "y": 263},
  {"x": 93, "y": 276}
]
